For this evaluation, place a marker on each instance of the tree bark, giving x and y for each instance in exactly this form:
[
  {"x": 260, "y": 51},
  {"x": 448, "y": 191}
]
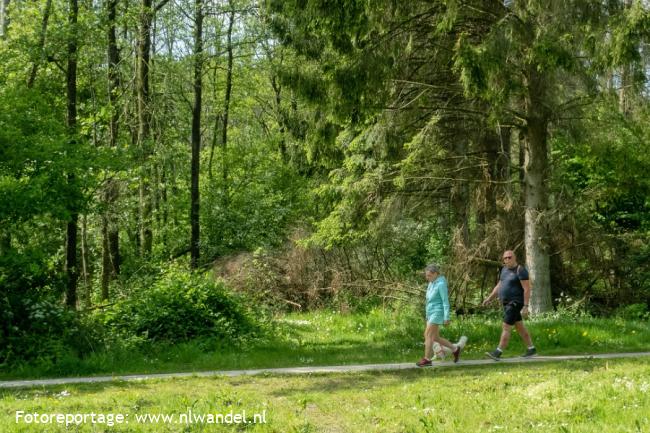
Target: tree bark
[
  {"x": 495, "y": 148},
  {"x": 71, "y": 121},
  {"x": 110, "y": 239},
  {"x": 110, "y": 232},
  {"x": 4, "y": 18},
  {"x": 113, "y": 72},
  {"x": 226, "y": 104},
  {"x": 144, "y": 126},
  {"x": 196, "y": 135},
  {"x": 41, "y": 44},
  {"x": 277, "y": 90},
  {"x": 627, "y": 81},
  {"x": 106, "y": 260},
  {"x": 85, "y": 267},
  {"x": 5, "y": 241},
  {"x": 217, "y": 122},
  {"x": 503, "y": 189},
  {"x": 490, "y": 144},
  {"x": 460, "y": 192},
  {"x": 163, "y": 200},
  {"x": 537, "y": 174}
]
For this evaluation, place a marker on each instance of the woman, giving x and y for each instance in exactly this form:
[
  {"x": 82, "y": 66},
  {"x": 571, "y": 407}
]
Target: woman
[{"x": 437, "y": 313}]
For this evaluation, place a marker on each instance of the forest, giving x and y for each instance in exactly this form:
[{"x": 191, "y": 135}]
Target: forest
[{"x": 174, "y": 170}]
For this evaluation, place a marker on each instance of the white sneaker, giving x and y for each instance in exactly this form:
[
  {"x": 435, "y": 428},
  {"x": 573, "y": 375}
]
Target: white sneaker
[{"x": 462, "y": 342}]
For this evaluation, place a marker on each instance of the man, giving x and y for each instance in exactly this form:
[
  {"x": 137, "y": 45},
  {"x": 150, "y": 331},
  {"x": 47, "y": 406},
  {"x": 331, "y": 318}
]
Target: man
[
  {"x": 513, "y": 290},
  {"x": 437, "y": 314}
]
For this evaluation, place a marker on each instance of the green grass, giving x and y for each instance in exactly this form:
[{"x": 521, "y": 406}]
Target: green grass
[
  {"x": 569, "y": 396},
  {"x": 331, "y": 338}
]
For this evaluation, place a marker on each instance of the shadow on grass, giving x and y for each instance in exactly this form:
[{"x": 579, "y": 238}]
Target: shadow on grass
[
  {"x": 329, "y": 383},
  {"x": 76, "y": 388}
]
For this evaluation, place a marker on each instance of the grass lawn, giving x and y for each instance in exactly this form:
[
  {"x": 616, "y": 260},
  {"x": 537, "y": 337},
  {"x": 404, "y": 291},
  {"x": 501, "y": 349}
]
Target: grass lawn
[
  {"x": 331, "y": 338},
  {"x": 569, "y": 396}
]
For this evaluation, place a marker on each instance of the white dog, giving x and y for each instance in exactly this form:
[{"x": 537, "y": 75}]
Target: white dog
[{"x": 441, "y": 352}]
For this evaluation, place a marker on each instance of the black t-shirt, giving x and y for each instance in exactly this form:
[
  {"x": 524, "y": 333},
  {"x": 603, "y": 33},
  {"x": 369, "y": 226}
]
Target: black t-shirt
[{"x": 510, "y": 280}]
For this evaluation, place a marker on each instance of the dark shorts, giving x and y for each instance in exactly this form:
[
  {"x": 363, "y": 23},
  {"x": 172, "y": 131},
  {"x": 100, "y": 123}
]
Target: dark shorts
[{"x": 512, "y": 312}]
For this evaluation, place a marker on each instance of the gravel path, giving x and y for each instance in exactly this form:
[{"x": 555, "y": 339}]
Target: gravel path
[{"x": 307, "y": 370}]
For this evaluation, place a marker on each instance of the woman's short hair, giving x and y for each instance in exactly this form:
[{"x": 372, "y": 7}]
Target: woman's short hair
[{"x": 433, "y": 268}]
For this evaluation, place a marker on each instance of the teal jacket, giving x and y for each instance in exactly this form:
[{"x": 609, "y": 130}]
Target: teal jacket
[{"x": 438, "y": 298}]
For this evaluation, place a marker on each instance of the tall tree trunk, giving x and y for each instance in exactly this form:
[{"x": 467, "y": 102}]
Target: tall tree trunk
[
  {"x": 522, "y": 166},
  {"x": 277, "y": 90},
  {"x": 503, "y": 189},
  {"x": 460, "y": 192},
  {"x": 163, "y": 200},
  {"x": 537, "y": 174},
  {"x": 625, "y": 90},
  {"x": 71, "y": 78},
  {"x": 131, "y": 112},
  {"x": 215, "y": 140},
  {"x": 85, "y": 268},
  {"x": 41, "y": 44},
  {"x": 110, "y": 232},
  {"x": 491, "y": 149},
  {"x": 4, "y": 18},
  {"x": 110, "y": 239},
  {"x": 106, "y": 260},
  {"x": 5, "y": 241},
  {"x": 627, "y": 81},
  {"x": 196, "y": 134},
  {"x": 144, "y": 126},
  {"x": 226, "y": 104},
  {"x": 71, "y": 259},
  {"x": 217, "y": 117},
  {"x": 217, "y": 121},
  {"x": 495, "y": 146}
]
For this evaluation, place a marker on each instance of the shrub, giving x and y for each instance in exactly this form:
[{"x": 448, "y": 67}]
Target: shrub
[
  {"x": 33, "y": 323},
  {"x": 633, "y": 312},
  {"x": 40, "y": 331},
  {"x": 181, "y": 306}
]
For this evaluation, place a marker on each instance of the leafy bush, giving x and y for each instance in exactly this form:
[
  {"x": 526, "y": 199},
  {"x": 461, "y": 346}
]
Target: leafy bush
[
  {"x": 255, "y": 208},
  {"x": 33, "y": 323},
  {"x": 634, "y": 312},
  {"x": 39, "y": 330},
  {"x": 181, "y": 306}
]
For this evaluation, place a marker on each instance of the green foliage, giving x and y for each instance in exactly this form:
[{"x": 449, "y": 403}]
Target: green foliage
[
  {"x": 255, "y": 207},
  {"x": 181, "y": 306},
  {"x": 631, "y": 27},
  {"x": 634, "y": 312},
  {"x": 366, "y": 119},
  {"x": 381, "y": 334},
  {"x": 36, "y": 199},
  {"x": 34, "y": 158},
  {"x": 340, "y": 65},
  {"x": 601, "y": 186},
  {"x": 34, "y": 326},
  {"x": 34, "y": 329},
  {"x": 498, "y": 63},
  {"x": 607, "y": 169}
]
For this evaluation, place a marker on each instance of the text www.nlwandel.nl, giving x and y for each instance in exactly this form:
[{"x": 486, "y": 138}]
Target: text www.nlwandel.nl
[{"x": 111, "y": 419}]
